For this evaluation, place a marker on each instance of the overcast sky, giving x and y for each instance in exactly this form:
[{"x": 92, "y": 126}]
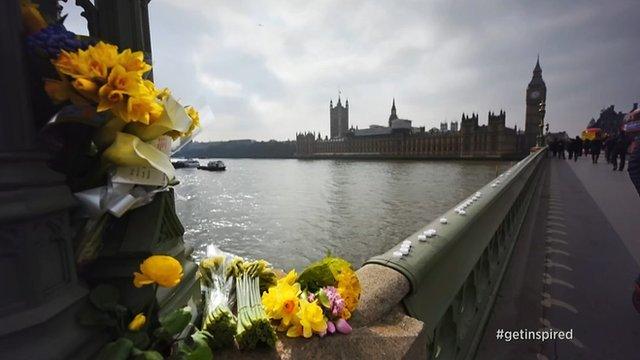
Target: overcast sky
[{"x": 268, "y": 69}]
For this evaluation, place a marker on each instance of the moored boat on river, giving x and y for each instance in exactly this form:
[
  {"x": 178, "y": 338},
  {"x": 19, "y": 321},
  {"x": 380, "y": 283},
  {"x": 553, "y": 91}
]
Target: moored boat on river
[{"x": 214, "y": 166}]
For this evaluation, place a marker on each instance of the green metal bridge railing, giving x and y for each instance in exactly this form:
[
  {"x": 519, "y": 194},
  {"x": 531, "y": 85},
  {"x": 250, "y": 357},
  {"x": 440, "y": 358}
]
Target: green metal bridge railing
[{"x": 455, "y": 264}]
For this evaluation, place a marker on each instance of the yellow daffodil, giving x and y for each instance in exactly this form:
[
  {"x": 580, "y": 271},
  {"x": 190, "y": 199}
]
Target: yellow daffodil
[
  {"x": 349, "y": 289},
  {"x": 311, "y": 319},
  {"x": 289, "y": 279},
  {"x": 103, "y": 53},
  {"x": 74, "y": 64},
  {"x": 281, "y": 302},
  {"x": 86, "y": 88},
  {"x": 144, "y": 109},
  {"x": 195, "y": 120},
  {"x": 163, "y": 270},
  {"x": 119, "y": 84},
  {"x": 62, "y": 90},
  {"x": 138, "y": 322},
  {"x": 133, "y": 61}
]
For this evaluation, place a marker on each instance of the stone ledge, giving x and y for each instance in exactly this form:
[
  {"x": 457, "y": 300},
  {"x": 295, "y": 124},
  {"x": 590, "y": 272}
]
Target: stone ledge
[{"x": 397, "y": 336}]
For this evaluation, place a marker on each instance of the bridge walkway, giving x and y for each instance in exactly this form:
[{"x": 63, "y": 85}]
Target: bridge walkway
[{"x": 574, "y": 267}]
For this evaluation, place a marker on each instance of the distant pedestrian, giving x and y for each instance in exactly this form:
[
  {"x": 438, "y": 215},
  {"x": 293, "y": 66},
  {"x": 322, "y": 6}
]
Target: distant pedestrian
[
  {"x": 608, "y": 148},
  {"x": 587, "y": 146},
  {"x": 634, "y": 164},
  {"x": 571, "y": 146},
  {"x": 596, "y": 146},
  {"x": 578, "y": 149},
  {"x": 554, "y": 147},
  {"x": 561, "y": 149},
  {"x": 619, "y": 150},
  {"x": 632, "y": 128}
]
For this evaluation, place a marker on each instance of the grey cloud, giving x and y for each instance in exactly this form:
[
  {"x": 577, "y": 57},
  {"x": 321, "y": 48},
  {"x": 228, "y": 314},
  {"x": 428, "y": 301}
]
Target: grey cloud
[{"x": 280, "y": 62}]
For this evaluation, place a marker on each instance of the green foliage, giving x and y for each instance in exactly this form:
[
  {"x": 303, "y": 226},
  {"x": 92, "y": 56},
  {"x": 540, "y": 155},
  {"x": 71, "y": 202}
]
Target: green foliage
[
  {"x": 322, "y": 273},
  {"x": 90, "y": 316},
  {"x": 140, "y": 339},
  {"x": 117, "y": 350},
  {"x": 221, "y": 324},
  {"x": 324, "y": 299},
  {"x": 138, "y": 354},
  {"x": 174, "y": 323},
  {"x": 104, "y": 297},
  {"x": 196, "y": 347}
]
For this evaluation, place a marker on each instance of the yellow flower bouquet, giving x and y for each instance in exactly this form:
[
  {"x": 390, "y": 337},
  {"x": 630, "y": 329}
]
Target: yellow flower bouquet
[
  {"x": 108, "y": 128},
  {"x": 318, "y": 301}
]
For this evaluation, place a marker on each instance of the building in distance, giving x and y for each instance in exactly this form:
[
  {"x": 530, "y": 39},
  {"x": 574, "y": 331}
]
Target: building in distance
[{"x": 466, "y": 139}]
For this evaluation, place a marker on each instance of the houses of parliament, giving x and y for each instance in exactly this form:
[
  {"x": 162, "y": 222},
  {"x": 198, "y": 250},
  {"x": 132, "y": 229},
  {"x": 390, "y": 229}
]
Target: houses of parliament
[{"x": 465, "y": 139}]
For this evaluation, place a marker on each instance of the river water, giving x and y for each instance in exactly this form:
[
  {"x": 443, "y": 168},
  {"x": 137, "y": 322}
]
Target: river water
[{"x": 290, "y": 212}]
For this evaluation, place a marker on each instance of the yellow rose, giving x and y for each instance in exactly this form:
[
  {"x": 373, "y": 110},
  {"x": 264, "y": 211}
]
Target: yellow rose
[
  {"x": 161, "y": 269},
  {"x": 137, "y": 322}
]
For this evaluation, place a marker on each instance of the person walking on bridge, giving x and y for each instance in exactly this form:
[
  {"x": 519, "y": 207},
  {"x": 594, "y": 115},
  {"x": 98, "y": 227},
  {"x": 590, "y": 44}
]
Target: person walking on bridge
[
  {"x": 596, "y": 146},
  {"x": 578, "y": 148},
  {"x": 608, "y": 148},
  {"x": 620, "y": 147},
  {"x": 632, "y": 127},
  {"x": 561, "y": 145}
]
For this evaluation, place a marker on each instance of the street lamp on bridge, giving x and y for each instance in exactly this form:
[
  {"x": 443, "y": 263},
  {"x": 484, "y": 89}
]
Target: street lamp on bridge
[{"x": 542, "y": 110}]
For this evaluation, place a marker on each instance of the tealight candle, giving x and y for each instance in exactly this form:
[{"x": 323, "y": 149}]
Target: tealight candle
[
  {"x": 422, "y": 237},
  {"x": 397, "y": 254},
  {"x": 443, "y": 220}
]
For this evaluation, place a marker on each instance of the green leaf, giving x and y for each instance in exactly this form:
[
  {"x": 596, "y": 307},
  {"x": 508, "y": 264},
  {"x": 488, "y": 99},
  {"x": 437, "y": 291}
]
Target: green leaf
[
  {"x": 138, "y": 354},
  {"x": 322, "y": 273},
  {"x": 140, "y": 339},
  {"x": 117, "y": 350},
  {"x": 316, "y": 276},
  {"x": 104, "y": 297},
  {"x": 91, "y": 316},
  {"x": 197, "y": 348},
  {"x": 324, "y": 299},
  {"x": 173, "y": 323}
]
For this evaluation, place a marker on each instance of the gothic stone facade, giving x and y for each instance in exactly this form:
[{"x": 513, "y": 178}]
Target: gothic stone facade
[
  {"x": 494, "y": 140},
  {"x": 400, "y": 140}
]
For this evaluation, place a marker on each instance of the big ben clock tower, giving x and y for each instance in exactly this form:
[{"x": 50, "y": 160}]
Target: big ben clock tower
[{"x": 536, "y": 100}]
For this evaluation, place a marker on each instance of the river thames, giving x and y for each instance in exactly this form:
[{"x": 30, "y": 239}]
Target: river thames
[{"x": 290, "y": 212}]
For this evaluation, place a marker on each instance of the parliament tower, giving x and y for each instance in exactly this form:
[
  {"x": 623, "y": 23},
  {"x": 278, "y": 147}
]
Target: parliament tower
[
  {"x": 339, "y": 118},
  {"x": 536, "y": 98}
]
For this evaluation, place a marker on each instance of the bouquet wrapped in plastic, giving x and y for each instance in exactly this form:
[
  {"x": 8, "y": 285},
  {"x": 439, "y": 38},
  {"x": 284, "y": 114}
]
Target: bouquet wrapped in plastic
[{"x": 218, "y": 289}]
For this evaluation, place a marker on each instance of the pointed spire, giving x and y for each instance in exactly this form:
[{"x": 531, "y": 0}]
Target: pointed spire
[
  {"x": 537, "y": 69},
  {"x": 393, "y": 106}
]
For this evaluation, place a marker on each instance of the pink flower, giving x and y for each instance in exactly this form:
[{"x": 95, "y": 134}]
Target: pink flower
[
  {"x": 331, "y": 328},
  {"x": 343, "y": 326},
  {"x": 336, "y": 302}
]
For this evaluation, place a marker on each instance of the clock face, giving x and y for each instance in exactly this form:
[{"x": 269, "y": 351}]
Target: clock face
[{"x": 535, "y": 94}]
